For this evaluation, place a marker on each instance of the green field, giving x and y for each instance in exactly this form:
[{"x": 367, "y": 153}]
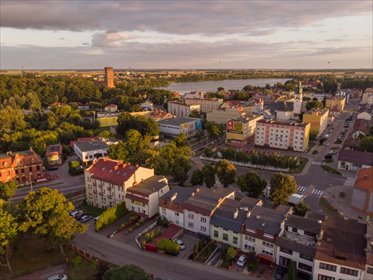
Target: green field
[{"x": 109, "y": 121}]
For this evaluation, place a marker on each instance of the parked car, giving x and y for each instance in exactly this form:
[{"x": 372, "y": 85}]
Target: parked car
[
  {"x": 280, "y": 272},
  {"x": 79, "y": 214},
  {"x": 242, "y": 260},
  {"x": 57, "y": 277},
  {"x": 85, "y": 218},
  {"x": 73, "y": 213},
  {"x": 181, "y": 244},
  {"x": 96, "y": 219}
]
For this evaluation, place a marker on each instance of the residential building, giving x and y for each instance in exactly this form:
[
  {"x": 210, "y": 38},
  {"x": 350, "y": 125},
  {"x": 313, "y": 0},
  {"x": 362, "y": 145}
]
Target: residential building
[
  {"x": 195, "y": 94},
  {"x": 240, "y": 131},
  {"x": 109, "y": 77},
  {"x": 200, "y": 206},
  {"x": 176, "y": 126},
  {"x": 283, "y": 110},
  {"x": 227, "y": 220},
  {"x": 223, "y": 115},
  {"x": 318, "y": 118},
  {"x": 261, "y": 229},
  {"x": 298, "y": 243},
  {"x": 171, "y": 204},
  {"x": 353, "y": 160},
  {"x": 282, "y": 135},
  {"x": 158, "y": 115},
  {"x": 364, "y": 115},
  {"x": 336, "y": 104},
  {"x": 367, "y": 97},
  {"x": 207, "y": 105},
  {"x": 362, "y": 196},
  {"x": 23, "y": 167},
  {"x": 88, "y": 151},
  {"x": 112, "y": 108},
  {"x": 369, "y": 252},
  {"x": 182, "y": 110},
  {"x": 340, "y": 253},
  {"x": 107, "y": 181},
  {"x": 298, "y": 100},
  {"x": 54, "y": 155},
  {"x": 144, "y": 197}
]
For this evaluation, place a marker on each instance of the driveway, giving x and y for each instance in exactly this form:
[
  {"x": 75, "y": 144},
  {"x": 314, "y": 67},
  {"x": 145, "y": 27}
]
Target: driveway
[{"x": 189, "y": 241}]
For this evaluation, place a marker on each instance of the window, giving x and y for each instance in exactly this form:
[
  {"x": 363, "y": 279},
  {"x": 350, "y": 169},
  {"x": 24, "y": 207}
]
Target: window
[
  {"x": 328, "y": 266},
  {"x": 305, "y": 267},
  {"x": 235, "y": 240},
  {"x": 249, "y": 238},
  {"x": 190, "y": 225},
  {"x": 249, "y": 248},
  {"x": 294, "y": 229},
  {"x": 349, "y": 271},
  {"x": 267, "y": 244},
  {"x": 287, "y": 251},
  {"x": 30, "y": 169},
  {"x": 323, "y": 277},
  {"x": 177, "y": 214},
  {"x": 203, "y": 228},
  {"x": 225, "y": 237},
  {"x": 370, "y": 270},
  {"x": 203, "y": 219},
  {"x": 216, "y": 234},
  {"x": 190, "y": 216},
  {"x": 163, "y": 210}
]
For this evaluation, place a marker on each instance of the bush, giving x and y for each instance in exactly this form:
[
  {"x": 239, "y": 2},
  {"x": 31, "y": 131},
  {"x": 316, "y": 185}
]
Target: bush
[
  {"x": 111, "y": 215},
  {"x": 77, "y": 260},
  {"x": 162, "y": 221},
  {"x": 330, "y": 169},
  {"x": 169, "y": 246},
  {"x": 75, "y": 168},
  {"x": 230, "y": 254}
]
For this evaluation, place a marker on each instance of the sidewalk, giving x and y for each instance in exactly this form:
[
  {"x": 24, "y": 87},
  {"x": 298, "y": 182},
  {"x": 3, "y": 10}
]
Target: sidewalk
[{"x": 44, "y": 273}]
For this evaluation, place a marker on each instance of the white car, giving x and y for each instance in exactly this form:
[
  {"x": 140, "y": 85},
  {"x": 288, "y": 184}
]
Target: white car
[
  {"x": 57, "y": 277},
  {"x": 242, "y": 260},
  {"x": 96, "y": 219},
  {"x": 327, "y": 144},
  {"x": 73, "y": 213},
  {"x": 181, "y": 244}
]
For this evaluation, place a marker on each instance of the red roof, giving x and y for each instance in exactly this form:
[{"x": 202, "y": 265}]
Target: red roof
[{"x": 112, "y": 171}]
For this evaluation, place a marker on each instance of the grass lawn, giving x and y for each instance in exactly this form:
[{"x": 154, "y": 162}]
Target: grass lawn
[
  {"x": 78, "y": 268},
  {"x": 302, "y": 164},
  {"x": 30, "y": 254},
  {"x": 327, "y": 208},
  {"x": 330, "y": 169},
  {"x": 91, "y": 210}
]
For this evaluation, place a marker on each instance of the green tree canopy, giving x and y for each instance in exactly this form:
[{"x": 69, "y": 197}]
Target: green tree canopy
[
  {"x": 314, "y": 104},
  {"x": 197, "y": 178},
  {"x": 251, "y": 183},
  {"x": 366, "y": 144},
  {"x": 301, "y": 209},
  {"x": 144, "y": 125},
  {"x": 209, "y": 175},
  {"x": 214, "y": 130},
  {"x": 8, "y": 231},
  {"x": 282, "y": 186},
  {"x": 46, "y": 212},
  {"x": 226, "y": 172},
  {"x": 7, "y": 190},
  {"x": 126, "y": 272}
]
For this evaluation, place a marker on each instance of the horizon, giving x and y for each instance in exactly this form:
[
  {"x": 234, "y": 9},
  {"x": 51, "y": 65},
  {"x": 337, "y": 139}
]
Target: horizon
[{"x": 231, "y": 34}]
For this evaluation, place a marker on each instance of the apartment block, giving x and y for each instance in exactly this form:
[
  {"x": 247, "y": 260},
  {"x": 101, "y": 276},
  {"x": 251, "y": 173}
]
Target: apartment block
[
  {"x": 182, "y": 110},
  {"x": 206, "y": 105},
  {"x": 23, "y": 167},
  {"x": 282, "y": 135},
  {"x": 318, "y": 120},
  {"x": 336, "y": 104},
  {"x": 240, "y": 131},
  {"x": 107, "y": 181},
  {"x": 176, "y": 126}
]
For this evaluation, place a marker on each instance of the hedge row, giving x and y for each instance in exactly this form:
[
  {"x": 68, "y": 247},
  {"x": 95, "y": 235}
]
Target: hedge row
[
  {"x": 110, "y": 215},
  {"x": 169, "y": 246}
]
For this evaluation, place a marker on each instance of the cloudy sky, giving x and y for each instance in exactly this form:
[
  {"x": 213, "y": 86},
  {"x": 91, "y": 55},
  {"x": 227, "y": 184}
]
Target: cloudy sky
[{"x": 69, "y": 34}]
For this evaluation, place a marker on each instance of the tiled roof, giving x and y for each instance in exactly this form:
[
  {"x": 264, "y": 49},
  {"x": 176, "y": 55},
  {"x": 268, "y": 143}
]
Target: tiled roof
[
  {"x": 149, "y": 186},
  {"x": 364, "y": 179},
  {"x": 22, "y": 158},
  {"x": 113, "y": 171}
]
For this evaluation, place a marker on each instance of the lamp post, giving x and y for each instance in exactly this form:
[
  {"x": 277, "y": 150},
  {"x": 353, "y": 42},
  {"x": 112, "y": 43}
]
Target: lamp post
[{"x": 30, "y": 182}]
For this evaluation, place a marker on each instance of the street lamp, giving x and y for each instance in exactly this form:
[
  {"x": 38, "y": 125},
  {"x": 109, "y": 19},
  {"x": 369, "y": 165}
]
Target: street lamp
[{"x": 30, "y": 182}]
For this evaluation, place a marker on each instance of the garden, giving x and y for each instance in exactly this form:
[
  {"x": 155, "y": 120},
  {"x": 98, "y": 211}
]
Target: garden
[
  {"x": 203, "y": 251},
  {"x": 227, "y": 255}
]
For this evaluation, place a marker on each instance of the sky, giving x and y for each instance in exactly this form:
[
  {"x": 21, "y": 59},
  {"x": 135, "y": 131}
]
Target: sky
[{"x": 194, "y": 34}]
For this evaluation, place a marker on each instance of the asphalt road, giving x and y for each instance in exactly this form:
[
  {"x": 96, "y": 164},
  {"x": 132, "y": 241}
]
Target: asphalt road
[{"x": 162, "y": 266}]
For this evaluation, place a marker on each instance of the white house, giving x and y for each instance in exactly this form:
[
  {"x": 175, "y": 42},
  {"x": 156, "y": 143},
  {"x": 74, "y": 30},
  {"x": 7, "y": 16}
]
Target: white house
[
  {"x": 88, "y": 151},
  {"x": 182, "y": 110}
]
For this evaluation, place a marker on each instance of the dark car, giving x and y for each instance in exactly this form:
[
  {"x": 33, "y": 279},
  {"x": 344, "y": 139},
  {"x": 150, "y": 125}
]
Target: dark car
[{"x": 280, "y": 272}]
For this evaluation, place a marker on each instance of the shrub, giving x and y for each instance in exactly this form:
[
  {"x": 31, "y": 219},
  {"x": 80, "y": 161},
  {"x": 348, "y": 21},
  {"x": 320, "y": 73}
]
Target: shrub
[
  {"x": 230, "y": 254},
  {"x": 169, "y": 246},
  {"x": 110, "y": 215},
  {"x": 162, "y": 221},
  {"x": 77, "y": 260},
  {"x": 74, "y": 168}
]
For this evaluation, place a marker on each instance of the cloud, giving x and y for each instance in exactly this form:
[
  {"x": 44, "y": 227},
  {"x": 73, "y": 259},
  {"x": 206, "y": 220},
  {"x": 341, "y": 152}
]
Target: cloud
[
  {"x": 109, "y": 39},
  {"x": 178, "y": 17}
]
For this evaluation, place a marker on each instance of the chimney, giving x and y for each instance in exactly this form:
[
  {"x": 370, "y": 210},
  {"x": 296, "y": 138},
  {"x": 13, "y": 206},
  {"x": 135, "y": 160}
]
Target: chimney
[
  {"x": 235, "y": 214},
  {"x": 173, "y": 197}
]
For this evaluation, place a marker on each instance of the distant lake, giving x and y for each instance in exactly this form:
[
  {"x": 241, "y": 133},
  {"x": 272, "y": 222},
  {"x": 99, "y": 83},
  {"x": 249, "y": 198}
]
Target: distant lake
[{"x": 226, "y": 84}]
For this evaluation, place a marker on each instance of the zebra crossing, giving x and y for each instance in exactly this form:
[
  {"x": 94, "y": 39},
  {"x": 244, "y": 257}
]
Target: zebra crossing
[
  {"x": 317, "y": 163},
  {"x": 315, "y": 192}
]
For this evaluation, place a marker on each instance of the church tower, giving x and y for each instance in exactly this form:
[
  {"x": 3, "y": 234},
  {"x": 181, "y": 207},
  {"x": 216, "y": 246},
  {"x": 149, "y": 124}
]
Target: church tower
[{"x": 298, "y": 99}]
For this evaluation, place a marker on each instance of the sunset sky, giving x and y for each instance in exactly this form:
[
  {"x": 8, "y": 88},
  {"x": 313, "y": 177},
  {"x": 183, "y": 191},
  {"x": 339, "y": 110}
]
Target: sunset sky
[{"x": 186, "y": 34}]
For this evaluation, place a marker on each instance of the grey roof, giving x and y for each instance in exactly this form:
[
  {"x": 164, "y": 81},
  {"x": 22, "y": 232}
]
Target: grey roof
[
  {"x": 150, "y": 185},
  {"x": 303, "y": 223},
  {"x": 356, "y": 157},
  {"x": 296, "y": 246},
  {"x": 176, "y": 121},
  {"x": 183, "y": 194},
  {"x": 266, "y": 219},
  {"x": 91, "y": 146},
  {"x": 315, "y": 216},
  {"x": 283, "y": 106}
]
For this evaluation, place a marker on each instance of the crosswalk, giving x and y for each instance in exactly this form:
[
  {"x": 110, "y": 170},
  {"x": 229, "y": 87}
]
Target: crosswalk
[
  {"x": 317, "y": 163},
  {"x": 306, "y": 191}
]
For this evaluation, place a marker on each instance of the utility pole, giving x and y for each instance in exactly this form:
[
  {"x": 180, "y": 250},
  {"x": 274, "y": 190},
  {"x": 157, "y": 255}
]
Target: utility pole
[{"x": 30, "y": 182}]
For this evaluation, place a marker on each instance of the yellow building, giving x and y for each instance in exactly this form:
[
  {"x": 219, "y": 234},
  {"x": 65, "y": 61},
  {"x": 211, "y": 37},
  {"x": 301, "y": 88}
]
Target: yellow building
[
  {"x": 241, "y": 130},
  {"x": 318, "y": 120},
  {"x": 336, "y": 104}
]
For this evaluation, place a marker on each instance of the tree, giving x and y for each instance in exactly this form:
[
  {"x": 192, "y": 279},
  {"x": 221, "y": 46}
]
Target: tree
[
  {"x": 282, "y": 186},
  {"x": 301, "y": 209},
  {"x": 230, "y": 254},
  {"x": 314, "y": 104},
  {"x": 214, "y": 130},
  {"x": 220, "y": 89},
  {"x": 197, "y": 177},
  {"x": 181, "y": 140},
  {"x": 8, "y": 231},
  {"x": 7, "y": 190},
  {"x": 292, "y": 274},
  {"x": 194, "y": 114},
  {"x": 180, "y": 169},
  {"x": 144, "y": 125},
  {"x": 126, "y": 272},
  {"x": 46, "y": 212},
  {"x": 366, "y": 144},
  {"x": 252, "y": 184},
  {"x": 209, "y": 175},
  {"x": 226, "y": 172}
]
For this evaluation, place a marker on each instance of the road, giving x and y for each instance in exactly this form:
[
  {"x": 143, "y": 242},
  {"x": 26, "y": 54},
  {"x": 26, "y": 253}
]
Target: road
[{"x": 162, "y": 266}]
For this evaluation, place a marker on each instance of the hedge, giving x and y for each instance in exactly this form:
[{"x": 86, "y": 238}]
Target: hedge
[
  {"x": 74, "y": 168},
  {"x": 169, "y": 246},
  {"x": 110, "y": 215}
]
